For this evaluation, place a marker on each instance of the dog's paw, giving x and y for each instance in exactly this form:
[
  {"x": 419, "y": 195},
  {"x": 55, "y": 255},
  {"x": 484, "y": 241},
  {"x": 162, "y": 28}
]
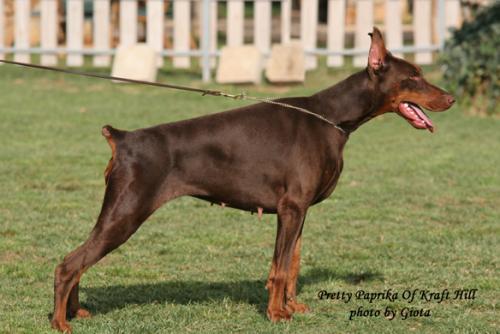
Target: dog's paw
[
  {"x": 61, "y": 326},
  {"x": 82, "y": 313},
  {"x": 294, "y": 307},
  {"x": 79, "y": 313},
  {"x": 279, "y": 315}
]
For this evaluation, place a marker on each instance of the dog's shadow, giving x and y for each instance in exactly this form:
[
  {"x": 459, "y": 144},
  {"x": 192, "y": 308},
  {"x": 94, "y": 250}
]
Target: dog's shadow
[{"x": 104, "y": 299}]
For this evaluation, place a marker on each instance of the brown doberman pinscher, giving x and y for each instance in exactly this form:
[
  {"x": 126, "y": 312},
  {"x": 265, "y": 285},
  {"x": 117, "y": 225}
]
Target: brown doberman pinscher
[{"x": 262, "y": 157}]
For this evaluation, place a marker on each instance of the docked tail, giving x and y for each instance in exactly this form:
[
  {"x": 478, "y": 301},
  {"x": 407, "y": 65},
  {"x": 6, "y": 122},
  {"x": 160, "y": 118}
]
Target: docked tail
[{"x": 110, "y": 132}]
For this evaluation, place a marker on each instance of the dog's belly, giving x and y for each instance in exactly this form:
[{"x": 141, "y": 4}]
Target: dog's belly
[
  {"x": 237, "y": 204},
  {"x": 262, "y": 186},
  {"x": 247, "y": 191}
]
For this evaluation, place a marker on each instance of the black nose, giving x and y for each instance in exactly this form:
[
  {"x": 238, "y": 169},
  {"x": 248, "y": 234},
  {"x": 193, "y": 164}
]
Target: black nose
[{"x": 450, "y": 99}]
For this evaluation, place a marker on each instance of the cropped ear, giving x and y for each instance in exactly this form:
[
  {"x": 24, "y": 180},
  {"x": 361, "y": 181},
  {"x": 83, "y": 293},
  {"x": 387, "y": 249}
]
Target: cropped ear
[{"x": 377, "y": 53}]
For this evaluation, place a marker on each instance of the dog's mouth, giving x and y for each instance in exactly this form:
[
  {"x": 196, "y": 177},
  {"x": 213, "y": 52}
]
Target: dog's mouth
[{"x": 415, "y": 116}]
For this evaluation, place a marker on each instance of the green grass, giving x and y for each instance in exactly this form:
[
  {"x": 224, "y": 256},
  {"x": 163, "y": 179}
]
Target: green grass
[{"x": 411, "y": 210}]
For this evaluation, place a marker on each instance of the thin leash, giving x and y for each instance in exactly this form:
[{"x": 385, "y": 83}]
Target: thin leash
[{"x": 241, "y": 96}]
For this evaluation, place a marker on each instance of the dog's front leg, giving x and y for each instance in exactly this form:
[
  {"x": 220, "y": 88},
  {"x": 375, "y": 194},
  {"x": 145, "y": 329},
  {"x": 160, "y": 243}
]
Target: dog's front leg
[
  {"x": 272, "y": 272},
  {"x": 74, "y": 308},
  {"x": 290, "y": 220},
  {"x": 291, "y": 287}
]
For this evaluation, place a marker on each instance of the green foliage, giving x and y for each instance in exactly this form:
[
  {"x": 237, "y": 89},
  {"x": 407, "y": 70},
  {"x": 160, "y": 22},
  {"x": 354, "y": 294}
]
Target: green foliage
[{"x": 471, "y": 59}]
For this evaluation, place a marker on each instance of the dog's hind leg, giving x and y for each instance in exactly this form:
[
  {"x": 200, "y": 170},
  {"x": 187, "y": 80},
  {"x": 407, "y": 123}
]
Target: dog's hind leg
[
  {"x": 290, "y": 220},
  {"x": 126, "y": 206}
]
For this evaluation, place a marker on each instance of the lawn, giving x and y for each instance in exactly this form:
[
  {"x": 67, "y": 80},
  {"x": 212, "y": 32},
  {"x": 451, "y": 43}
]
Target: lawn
[{"x": 412, "y": 210}]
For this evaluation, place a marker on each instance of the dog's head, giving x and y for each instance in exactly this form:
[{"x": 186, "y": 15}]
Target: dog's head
[{"x": 404, "y": 89}]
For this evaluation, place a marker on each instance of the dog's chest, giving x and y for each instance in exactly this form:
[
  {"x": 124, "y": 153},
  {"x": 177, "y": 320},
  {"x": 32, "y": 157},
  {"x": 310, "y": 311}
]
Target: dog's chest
[{"x": 331, "y": 174}]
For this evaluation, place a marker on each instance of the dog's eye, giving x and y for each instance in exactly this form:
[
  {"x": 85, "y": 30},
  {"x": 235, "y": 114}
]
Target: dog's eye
[{"x": 409, "y": 84}]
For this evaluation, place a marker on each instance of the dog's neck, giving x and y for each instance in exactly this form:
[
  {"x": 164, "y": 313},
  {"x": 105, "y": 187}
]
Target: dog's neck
[{"x": 351, "y": 102}]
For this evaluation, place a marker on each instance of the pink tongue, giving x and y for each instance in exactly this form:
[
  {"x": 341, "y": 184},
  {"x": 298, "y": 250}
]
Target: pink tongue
[
  {"x": 415, "y": 116},
  {"x": 422, "y": 116}
]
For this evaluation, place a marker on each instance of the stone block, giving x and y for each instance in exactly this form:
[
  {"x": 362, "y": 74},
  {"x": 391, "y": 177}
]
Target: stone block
[
  {"x": 239, "y": 64},
  {"x": 136, "y": 61},
  {"x": 287, "y": 63}
]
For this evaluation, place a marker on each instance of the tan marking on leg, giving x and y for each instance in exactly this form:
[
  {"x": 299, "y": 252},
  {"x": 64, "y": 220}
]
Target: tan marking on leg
[{"x": 291, "y": 289}]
